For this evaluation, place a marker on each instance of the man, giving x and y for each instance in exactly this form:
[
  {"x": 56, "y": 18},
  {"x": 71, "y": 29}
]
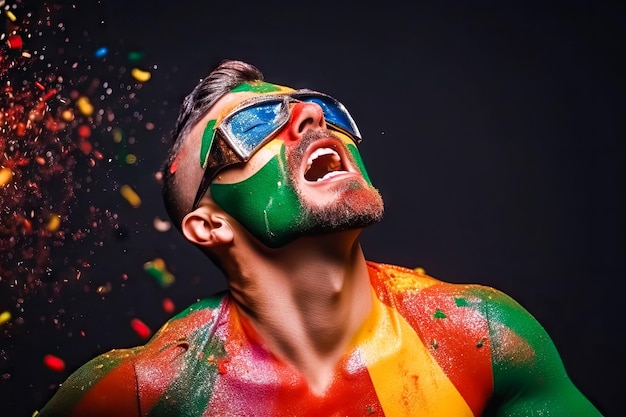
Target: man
[{"x": 268, "y": 182}]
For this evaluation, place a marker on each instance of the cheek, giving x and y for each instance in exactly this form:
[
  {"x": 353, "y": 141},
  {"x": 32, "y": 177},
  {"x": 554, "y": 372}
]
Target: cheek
[{"x": 265, "y": 204}]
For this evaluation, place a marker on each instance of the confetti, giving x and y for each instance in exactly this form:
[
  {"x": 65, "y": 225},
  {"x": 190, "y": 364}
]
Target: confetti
[
  {"x": 11, "y": 16},
  {"x": 56, "y": 108},
  {"x": 15, "y": 42},
  {"x": 161, "y": 225},
  {"x": 5, "y": 316},
  {"x": 140, "y": 328},
  {"x": 130, "y": 195},
  {"x": 168, "y": 305},
  {"x": 53, "y": 222},
  {"x": 54, "y": 363},
  {"x": 140, "y": 75},
  {"x": 84, "y": 106},
  {"x": 135, "y": 56},
  {"x": 100, "y": 52},
  {"x": 5, "y": 176},
  {"x": 157, "y": 269}
]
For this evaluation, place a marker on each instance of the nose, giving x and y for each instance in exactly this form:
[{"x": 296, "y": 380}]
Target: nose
[{"x": 305, "y": 116}]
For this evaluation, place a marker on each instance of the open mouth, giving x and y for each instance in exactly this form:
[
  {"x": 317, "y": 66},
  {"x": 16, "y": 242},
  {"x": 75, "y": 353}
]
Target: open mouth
[{"x": 324, "y": 163}]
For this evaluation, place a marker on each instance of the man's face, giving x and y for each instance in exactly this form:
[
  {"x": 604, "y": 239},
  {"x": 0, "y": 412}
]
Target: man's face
[{"x": 308, "y": 179}]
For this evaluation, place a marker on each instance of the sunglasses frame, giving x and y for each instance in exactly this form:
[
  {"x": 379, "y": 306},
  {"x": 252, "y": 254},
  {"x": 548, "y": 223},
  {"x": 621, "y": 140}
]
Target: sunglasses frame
[{"x": 226, "y": 150}]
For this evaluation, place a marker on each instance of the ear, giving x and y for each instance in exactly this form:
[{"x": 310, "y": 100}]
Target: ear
[{"x": 205, "y": 227}]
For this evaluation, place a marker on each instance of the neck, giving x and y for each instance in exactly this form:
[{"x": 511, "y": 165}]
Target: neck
[{"x": 306, "y": 300}]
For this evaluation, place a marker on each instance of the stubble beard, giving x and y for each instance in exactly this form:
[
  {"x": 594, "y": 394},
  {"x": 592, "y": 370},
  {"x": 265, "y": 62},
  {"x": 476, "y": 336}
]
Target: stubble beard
[{"x": 355, "y": 203}]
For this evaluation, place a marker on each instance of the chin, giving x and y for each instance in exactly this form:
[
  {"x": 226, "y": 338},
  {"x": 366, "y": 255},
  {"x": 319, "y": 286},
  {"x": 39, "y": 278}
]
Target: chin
[{"x": 355, "y": 208}]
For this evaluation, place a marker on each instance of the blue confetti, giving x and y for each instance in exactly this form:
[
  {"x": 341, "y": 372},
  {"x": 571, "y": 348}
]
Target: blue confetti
[{"x": 100, "y": 52}]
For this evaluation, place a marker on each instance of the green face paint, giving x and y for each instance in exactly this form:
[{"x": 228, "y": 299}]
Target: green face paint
[
  {"x": 207, "y": 141},
  {"x": 358, "y": 161},
  {"x": 256, "y": 87},
  {"x": 266, "y": 204}
]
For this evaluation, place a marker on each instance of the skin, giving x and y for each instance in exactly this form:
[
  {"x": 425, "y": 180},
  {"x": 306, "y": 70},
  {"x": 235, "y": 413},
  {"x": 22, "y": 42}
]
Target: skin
[
  {"x": 315, "y": 290},
  {"x": 331, "y": 333}
]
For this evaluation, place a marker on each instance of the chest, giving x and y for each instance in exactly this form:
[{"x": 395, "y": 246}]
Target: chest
[{"x": 391, "y": 369}]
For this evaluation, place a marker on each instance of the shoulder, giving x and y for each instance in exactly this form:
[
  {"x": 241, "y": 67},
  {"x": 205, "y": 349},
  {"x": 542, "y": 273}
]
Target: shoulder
[
  {"x": 112, "y": 383},
  {"x": 404, "y": 283},
  {"x": 203, "y": 316},
  {"x": 182, "y": 355},
  {"x": 104, "y": 385}
]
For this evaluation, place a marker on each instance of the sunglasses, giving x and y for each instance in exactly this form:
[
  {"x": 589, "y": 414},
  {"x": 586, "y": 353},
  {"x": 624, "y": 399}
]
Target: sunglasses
[{"x": 255, "y": 122}]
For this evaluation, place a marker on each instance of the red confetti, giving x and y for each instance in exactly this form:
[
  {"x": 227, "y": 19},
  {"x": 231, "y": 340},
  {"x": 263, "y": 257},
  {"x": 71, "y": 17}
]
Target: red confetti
[
  {"x": 15, "y": 42},
  {"x": 141, "y": 328},
  {"x": 85, "y": 146},
  {"x": 84, "y": 131},
  {"x": 49, "y": 94},
  {"x": 168, "y": 305},
  {"x": 54, "y": 363}
]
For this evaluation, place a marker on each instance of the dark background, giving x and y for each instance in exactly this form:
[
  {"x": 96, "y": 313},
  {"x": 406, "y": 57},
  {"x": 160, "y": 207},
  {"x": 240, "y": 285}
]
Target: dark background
[{"x": 494, "y": 131}]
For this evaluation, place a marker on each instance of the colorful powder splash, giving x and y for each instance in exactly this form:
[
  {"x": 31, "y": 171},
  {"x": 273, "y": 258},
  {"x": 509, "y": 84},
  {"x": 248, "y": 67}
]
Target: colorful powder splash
[
  {"x": 60, "y": 138},
  {"x": 80, "y": 268}
]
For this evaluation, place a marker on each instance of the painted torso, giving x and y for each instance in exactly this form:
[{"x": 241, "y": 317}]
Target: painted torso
[{"x": 425, "y": 350}]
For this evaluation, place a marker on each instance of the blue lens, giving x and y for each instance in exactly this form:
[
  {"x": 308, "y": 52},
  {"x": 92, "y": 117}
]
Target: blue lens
[
  {"x": 334, "y": 113},
  {"x": 254, "y": 124}
]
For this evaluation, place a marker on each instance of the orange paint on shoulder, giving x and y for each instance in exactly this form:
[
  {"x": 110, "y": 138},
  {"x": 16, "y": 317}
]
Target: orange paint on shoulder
[{"x": 115, "y": 392}]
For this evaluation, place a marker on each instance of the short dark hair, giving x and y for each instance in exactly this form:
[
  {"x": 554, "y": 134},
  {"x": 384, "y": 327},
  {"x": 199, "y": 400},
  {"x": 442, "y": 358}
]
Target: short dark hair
[{"x": 226, "y": 76}]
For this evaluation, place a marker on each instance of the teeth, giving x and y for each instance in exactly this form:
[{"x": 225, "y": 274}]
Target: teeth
[
  {"x": 327, "y": 168},
  {"x": 319, "y": 152},
  {"x": 331, "y": 174}
]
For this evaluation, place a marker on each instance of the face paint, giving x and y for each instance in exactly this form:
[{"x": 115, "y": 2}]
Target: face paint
[
  {"x": 266, "y": 204},
  {"x": 269, "y": 206},
  {"x": 259, "y": 87}
]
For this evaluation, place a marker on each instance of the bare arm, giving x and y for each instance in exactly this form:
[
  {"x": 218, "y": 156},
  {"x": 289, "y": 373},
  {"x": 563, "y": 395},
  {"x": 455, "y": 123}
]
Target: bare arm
[{"x": 529, "y": 376}]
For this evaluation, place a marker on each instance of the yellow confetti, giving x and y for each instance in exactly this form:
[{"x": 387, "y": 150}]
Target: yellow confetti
[
  {"x": 53, "y": 222},
  {"x": 11, "y": 16},
  {"x": 117, "y": 135},
  {"x": 6, "y": 175},
  {"x": 131, "y": 159},
  {"x": 140, "y": 75},
  {"x": 4, "y": 317},
  {"x": 130, "y": 195},
  {"x": 420, "y": 271},
  {"x": 67, "y": 115},
  {"x": 84, "y": 106}
]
